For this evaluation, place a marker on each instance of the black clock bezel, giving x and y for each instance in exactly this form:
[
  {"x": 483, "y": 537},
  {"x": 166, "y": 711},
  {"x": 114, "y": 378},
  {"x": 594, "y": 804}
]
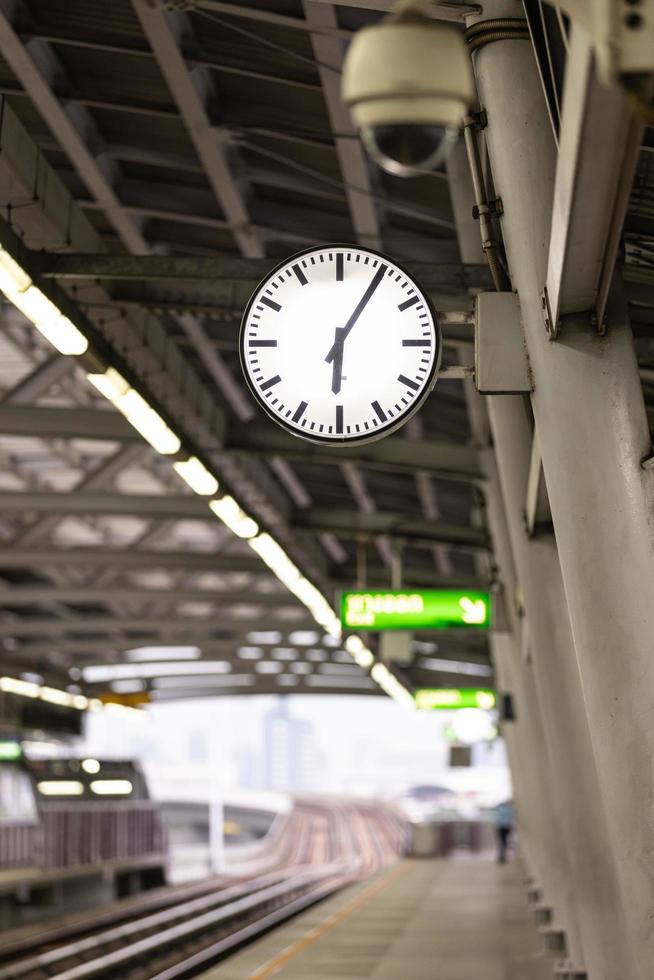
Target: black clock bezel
[{"x": 394, "y": 424}]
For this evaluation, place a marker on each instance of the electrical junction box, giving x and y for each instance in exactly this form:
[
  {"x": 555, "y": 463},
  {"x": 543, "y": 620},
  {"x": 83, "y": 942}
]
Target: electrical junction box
[
  {"x": 501, "y": 365},
  {"x": 396, "y": 647}
]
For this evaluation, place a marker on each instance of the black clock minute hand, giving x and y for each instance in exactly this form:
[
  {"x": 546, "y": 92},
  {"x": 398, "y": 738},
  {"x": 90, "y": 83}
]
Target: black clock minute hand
[{"x": 342, "y": 332}]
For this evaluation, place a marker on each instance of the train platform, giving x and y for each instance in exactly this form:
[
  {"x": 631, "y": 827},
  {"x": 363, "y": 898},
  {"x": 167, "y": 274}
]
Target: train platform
[{"x": 457, "y": 920}]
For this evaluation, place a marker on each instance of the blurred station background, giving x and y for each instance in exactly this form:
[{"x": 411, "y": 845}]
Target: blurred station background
[{"x": 259, "y": 693}]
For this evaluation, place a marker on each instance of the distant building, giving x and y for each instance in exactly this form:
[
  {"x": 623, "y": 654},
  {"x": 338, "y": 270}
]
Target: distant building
[{"x": 290, "y": 759}]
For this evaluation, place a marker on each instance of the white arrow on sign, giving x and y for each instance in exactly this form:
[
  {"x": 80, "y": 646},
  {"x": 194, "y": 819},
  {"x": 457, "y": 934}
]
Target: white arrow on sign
[{"x": 474, "y": 610}]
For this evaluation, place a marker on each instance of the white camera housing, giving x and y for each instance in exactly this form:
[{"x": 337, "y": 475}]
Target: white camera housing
[{"x": 409, "y": 84}]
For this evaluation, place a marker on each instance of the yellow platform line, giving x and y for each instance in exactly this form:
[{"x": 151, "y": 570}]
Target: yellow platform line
[{"x": 275, "y": 964}]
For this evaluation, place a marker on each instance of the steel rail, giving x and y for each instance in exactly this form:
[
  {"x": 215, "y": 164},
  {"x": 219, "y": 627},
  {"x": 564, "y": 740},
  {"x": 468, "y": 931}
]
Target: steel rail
[
  {"x": 119, "y": 961},
  {"x": 23, "y": 968}
]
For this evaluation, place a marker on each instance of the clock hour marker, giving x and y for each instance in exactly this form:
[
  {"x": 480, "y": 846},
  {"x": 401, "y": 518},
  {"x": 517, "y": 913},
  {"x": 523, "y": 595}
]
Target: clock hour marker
[
  {"x": 262, "y": 343},
  {"x": 407, "y": 303},
  {"x": 416, "y": 343},
  {"x": 339, "y": 267},
  {"x": 300, "y": 275},
  {"x": 381, "y": 414},
  {"x": 271, "y": 303},
  {"x": 339, "y": 418},
  {"x": 408, "y": 382},
  {"x": 299, "y": 411},
  {"x": 270, "y": 382}
]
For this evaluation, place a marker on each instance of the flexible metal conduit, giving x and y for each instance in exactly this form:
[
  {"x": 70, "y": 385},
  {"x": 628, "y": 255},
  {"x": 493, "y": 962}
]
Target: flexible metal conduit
[
  {"x": 488, "y": 242},
  {"x": 497, "y": 29},
  {"x": 479, "y": 34}
]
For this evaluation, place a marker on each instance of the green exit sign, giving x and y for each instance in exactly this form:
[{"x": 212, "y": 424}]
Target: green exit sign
[
  {"x": 416, "y": 609},
  {"x": 451, "y": 698}
]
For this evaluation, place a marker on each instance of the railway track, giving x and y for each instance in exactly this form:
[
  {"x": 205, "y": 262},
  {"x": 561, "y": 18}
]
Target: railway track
[
  {"x": 174, "y": 941},
  {"x": 184, "y": 930}
]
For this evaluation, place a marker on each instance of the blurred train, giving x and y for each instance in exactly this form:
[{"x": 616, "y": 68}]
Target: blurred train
[{"x": 78, "y": 816}]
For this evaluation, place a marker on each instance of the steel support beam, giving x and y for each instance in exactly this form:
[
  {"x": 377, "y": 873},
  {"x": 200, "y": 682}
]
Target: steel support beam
[
  {"x": 91, "y": 482},
  {"x": 192, "y": 561},
  {"x": 412, "y": 530},
  {"x": 588, "y": 877},
  {"x": 51, "y": 422},
  {"x": 85, "y": 502},
  {"x": 591, "y": 188},
  {"x": 351, "y": 157},
  {"x": 186, "y": 89},
  {"x": 394, "y": 454},
  {"x": 593, "y": 435},
  {"x": 61, "y": 265},
  {"x": 43, "y": 377},
  {"x": 177, "y": 627},
  {"x": 342, "y": 522},
  {"x": 88, "y": 595}
]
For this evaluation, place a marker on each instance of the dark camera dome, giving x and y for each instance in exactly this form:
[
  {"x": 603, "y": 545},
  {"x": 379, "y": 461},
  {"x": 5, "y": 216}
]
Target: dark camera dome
[{"x": 406, "y": 148}]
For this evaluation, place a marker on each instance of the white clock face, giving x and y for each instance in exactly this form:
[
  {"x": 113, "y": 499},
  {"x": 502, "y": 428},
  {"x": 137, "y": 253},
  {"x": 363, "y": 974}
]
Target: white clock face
[{"x": 339, "y": 345}]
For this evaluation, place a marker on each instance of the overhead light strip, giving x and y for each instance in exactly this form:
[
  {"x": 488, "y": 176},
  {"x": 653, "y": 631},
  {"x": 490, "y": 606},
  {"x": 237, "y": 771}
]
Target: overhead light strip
[
  {"x": 46, "y": 316},
  {"x": 54, "y": 695},
  {"x": 19, "y": 288}
]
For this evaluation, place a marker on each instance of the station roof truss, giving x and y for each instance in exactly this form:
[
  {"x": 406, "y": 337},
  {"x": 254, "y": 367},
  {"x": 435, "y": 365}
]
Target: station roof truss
[{"x": 156, "y": 163}]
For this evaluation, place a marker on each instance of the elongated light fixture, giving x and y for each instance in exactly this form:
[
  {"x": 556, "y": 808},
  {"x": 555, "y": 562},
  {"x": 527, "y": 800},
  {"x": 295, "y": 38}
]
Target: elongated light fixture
[
  {"x": 136, "y": 410},
  {"x": 48, "y": 319},
  {"x": 231, "y": 514},
  {"x": 197, "y": 476},
  {"x": 60, "y": 787}
]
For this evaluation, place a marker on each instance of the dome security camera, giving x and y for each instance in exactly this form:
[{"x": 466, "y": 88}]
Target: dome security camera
[{"x": 408, "y": 83}]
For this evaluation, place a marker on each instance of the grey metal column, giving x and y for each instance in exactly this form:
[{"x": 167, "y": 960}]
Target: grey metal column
[
  {"x": 593, "y": 882},
  {"x": 593, "y": 435},
  {"x": 538, "y": 787},
  {"x": 531, "y": 799}
]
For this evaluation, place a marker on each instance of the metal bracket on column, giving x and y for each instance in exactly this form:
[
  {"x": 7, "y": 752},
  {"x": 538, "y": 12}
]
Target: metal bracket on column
[
  {"x": 551, "y": 325},
  {"x": 537, "y": 505},
  {"x": 565, "y": 971},
  {"x": 501, "y": 363},
  {"x": 495, "y": 208}
]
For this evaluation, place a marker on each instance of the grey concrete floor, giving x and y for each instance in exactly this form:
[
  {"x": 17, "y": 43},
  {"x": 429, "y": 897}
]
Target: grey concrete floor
[{"x": 421, "y": 920}]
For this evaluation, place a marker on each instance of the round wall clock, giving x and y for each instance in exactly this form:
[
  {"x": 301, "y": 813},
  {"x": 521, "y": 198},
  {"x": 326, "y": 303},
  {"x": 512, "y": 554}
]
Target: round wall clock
[{"x": 340, "y": 345}]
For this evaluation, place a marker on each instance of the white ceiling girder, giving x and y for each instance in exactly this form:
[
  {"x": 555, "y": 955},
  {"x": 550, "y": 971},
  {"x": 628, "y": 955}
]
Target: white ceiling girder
[
  {"x": 351, "y": 155},
  {"x": 42, "y": 96},
  {"x": 159, "y": 30}
]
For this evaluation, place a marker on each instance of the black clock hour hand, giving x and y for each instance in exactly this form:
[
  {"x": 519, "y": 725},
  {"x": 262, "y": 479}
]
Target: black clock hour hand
[
  {"x": 337, "y": 365},
  {"x": 360, "y": 307}
]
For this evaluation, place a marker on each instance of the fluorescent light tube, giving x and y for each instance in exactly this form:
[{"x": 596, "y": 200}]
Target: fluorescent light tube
[
  {"x": 60, "y": 787},
  {"x": 235, "y": 518},
  {"x": 111, "y": 787},
  {"x": 275, "y": 558},
  {"x": 101, "y": 673},
  {"x": 197, "y": 476},
  {"x": 163, "y": 653},
  {"x": 151, "y": 426},
  {"x": 17, "y": 286},
  {"x": 13, "y": 278},
  {"x": 137, "y": 411},
  {"x": 55, "y": 696},
  {"x": 27, "y": 689}
]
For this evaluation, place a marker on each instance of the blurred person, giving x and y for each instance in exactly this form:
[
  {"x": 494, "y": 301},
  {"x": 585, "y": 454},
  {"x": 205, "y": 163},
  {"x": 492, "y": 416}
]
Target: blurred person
[{"x": 503, "y": 828}]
